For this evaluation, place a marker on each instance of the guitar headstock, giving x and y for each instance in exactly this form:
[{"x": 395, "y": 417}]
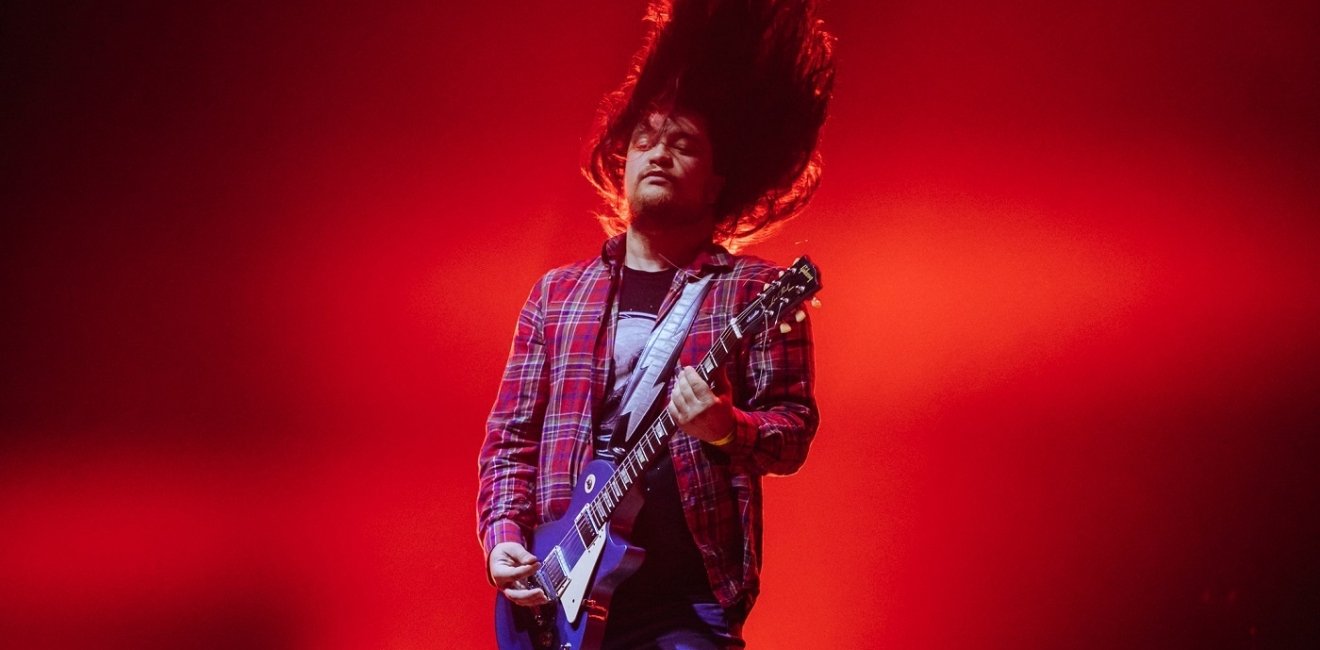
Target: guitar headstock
[{"x": 794, "y": 286}]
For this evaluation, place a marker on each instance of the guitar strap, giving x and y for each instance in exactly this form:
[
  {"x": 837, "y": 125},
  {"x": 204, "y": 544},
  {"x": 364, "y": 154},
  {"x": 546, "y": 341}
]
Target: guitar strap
[{"x": 658, "y": 357}]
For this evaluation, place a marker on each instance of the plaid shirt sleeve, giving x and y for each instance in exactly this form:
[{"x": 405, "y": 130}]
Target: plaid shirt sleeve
[
  {"x": 508, "y": 458},
  {"x": 776, "y": 417}
]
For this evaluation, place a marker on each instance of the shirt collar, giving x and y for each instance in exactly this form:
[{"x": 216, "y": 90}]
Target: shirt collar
[{"x": 712, "y": 258}]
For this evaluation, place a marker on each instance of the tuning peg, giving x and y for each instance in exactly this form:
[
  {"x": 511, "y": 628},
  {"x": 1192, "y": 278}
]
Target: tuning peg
[
  {"x": 785, "y": 328},
  {"x": 781, "y": 274},
  {"x": 815, "y": 302},
  {"x": 800, "y": 316}
]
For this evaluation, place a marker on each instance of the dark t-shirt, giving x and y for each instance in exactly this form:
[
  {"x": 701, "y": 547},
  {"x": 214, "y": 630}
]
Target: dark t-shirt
[{"x": 672, "y": 576}]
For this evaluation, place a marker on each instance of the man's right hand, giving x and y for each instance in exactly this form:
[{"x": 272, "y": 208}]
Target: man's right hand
[{"x": 510, "y": 564}]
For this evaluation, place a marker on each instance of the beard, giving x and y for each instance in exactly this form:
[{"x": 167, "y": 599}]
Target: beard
[{"x": 652, "y": 210}]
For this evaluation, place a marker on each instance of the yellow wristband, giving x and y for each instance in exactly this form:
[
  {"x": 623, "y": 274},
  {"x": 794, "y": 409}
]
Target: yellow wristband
[{"x": 726, "y": 439}]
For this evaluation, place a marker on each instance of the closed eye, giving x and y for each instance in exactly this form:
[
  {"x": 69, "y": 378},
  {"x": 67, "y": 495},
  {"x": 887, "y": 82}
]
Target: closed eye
[{"x": 642, "y": 139}]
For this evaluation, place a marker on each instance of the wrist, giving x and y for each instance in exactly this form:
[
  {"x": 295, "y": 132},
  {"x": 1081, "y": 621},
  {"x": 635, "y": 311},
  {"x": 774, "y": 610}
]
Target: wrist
[
  {"x": 728, "y": 438},
  {"x": 740, "y": 437}
]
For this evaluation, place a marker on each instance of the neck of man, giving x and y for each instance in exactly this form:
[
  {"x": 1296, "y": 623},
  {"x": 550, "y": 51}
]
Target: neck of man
[{"x": 662, "y": 249}]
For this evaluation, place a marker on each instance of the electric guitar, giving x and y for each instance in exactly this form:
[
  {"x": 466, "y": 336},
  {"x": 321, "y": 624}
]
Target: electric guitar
[{"x": 583, "y": 557}]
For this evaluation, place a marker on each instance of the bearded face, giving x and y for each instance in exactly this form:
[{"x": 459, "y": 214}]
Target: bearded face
[{"x": 669, "y": 175}]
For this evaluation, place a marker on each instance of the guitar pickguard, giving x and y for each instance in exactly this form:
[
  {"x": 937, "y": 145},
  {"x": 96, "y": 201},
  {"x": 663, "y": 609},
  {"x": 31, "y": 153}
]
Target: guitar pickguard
[{"x": 579, "y": 578}]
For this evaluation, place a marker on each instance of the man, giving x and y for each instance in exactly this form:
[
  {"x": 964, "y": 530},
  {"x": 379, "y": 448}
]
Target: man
[{"x": 676, "y": 159}]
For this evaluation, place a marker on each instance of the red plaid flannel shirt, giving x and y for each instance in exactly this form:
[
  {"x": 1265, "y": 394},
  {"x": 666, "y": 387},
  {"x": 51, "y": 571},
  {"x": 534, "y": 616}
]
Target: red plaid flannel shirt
[{"x": 539, "y": 434}]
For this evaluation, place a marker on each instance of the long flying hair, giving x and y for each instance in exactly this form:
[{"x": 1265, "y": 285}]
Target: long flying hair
[{"x": 760, "y": 73}]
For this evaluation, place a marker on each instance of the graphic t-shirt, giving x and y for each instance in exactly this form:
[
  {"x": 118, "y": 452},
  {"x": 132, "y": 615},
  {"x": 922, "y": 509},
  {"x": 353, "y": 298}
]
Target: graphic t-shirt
[
  {"x": 672, "y": 574},
  {"x": 640, "y": 298}
]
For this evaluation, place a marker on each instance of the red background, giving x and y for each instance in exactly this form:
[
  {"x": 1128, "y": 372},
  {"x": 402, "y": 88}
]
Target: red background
[{"x": 261, "y": 265}]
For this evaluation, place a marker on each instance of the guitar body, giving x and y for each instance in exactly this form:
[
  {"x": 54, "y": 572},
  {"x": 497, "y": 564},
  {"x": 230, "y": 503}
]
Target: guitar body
[{"x": 549, "y": 627}]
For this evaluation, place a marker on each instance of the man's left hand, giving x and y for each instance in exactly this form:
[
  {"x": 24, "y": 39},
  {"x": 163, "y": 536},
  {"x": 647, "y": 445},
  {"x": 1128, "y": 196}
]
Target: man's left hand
[{"x": 702, "y": 411}]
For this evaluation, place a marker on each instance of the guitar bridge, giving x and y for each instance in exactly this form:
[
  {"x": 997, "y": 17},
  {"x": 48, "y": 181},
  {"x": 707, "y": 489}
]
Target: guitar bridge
[{"x": 552, "y": 577}]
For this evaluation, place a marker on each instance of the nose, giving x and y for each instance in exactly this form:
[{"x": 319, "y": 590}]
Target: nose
[{"x": 660, "y": 155}]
